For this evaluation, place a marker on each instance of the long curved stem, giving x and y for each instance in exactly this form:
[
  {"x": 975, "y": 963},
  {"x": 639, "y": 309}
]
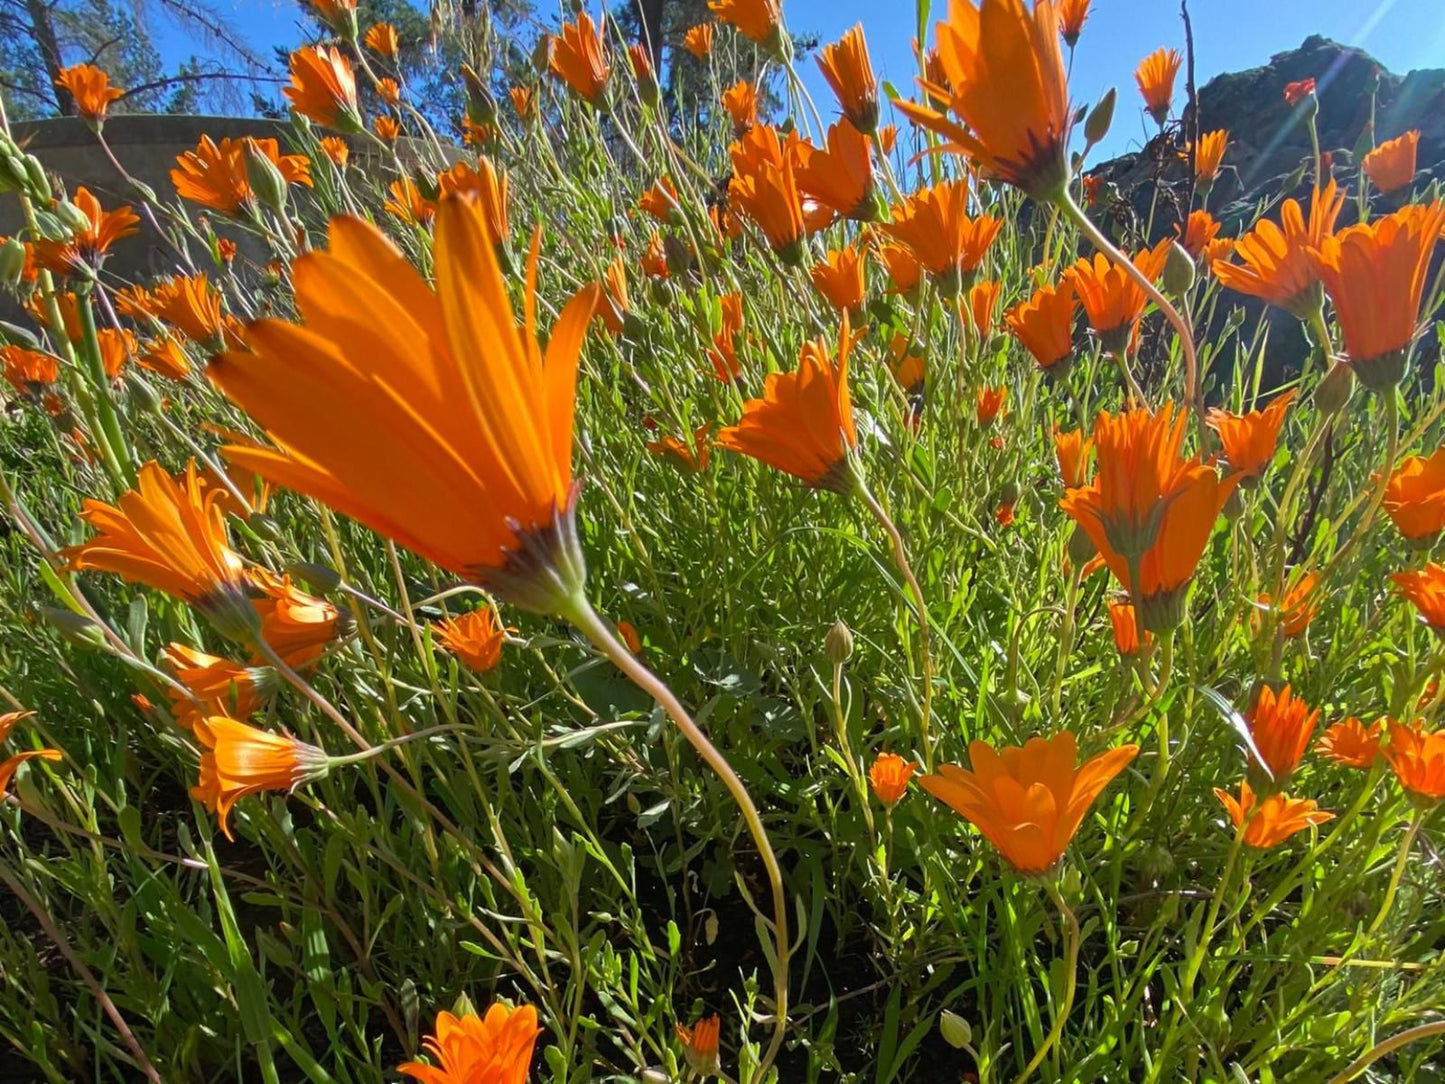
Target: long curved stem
[
  {"x": 581, "y": 614},
  {"x": 1399, "y": 871},
  {"x": 1389, "y": 1046},
  {"x": 1072, "y": 937}
]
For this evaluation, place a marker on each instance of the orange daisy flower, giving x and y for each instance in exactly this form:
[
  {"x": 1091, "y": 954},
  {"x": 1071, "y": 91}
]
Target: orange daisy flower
[
  {"x": 1299, "y": 606},
  {"x": 614, "y": 306},
  {"x": 11, "y": 764},
  {"x": 1208, "y": 156},
  {"x": 1277, "y": 267},
  {"x": 889, "y": 777},
  {"x": 1425, "y": 589},
  {"x": 698, "y": 40},
  {"x": 978, "y": 307},
  {"x": 495, "y": 1048},
  {"x": 1013, "y": 119},
  {"x": 297, "y": 625},
  {"x": 338, "y": 15},
  {"x": 1391, "y": 165},
  {"x": 389, "y": 91},
  {"x": 336, "y": 149},
  {"x": 842, "y": 279},
  {"x": 1415, "y": 495},
  {"x": 388, "y": 128},
  {"x": 759, "y": 20},
  {"x": 904, "y": 270},
  {"x": 382, "y": 39},
  {"x": 1072, "y": 449},
  {"x": 29, "y": 372},
  {"x": 408, "y": 204},
  {"x": 90, "y": 88},
  {"x": 661, "y": 200},
  {"x": 487, "y": 184},
  {"x": 1155, "y": 76},
  {"x": 1045, "y": 325},
  {"x": 189, "y": 304},
  {"x": 741, "y": 103},
  {"x": 1198, "y": 233},
  {"x": 689, "y": 459},
  {"x": 1298, "y": 91},
  {"x": 654, "y": 259},
  {"x": 578, "y": 57},
  {"x": 992, "y": 404},
  {"x": 1114, "y": 302},
  {"x": 700, "y": 1044},
  {"x": 475, "y": 637},
  {"x": 803, "y": 424},
  {"x": 1149, "y": 511},
  {"x": 1028, "y": 802},
  {"x": 935, "y": 225},
  {"x": 849, "y": 71},
  {"x": 1418, "y": 759},
  {"x": 1249, "y": 439},
  {"x": 483, "y": 485},
  {"x": 1375, "y": 275},
  {"x": 87, "y": 247},
  {"x": 116, "y": 348},
  {"x": 1269, "y": 823},
  {"x": 1352, "y": 743},
  {"x": 1126, "y": 628},
  {"x": 238, "y": 760},
  {"x": 764, "y": 187},
  {"x": 1072, "y": 16},
  {"x": 217, "y": 686},
  {"x": 840, "y": 177},
  {"x": 323, "y": 88},
  {"x": 214, "y": 174},
  {"x": 1280, "y": 724},
  {"x": 524, "y": 101}
]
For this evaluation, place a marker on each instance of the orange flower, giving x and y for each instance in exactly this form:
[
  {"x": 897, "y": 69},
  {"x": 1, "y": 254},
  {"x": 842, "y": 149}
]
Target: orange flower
[
  {"x": 1072, "y": 449},
  {"x": 387, "y": 128},
  {"x": 1149, "y": 511},
  {"x": 408, "y": 204},
  {"x": 1391, "y": 165},
  {"x": 338, "y": 15},
  {"x": 1277, "y": 266},
  {"x": 977, "y": 309},
  {"x": 906, "y": 365},
  {"x": 889, "y": 775},
  {"x": 10, "y": 764},
  {"x": 29, "y": 371},
  {"x": 904, "y": 270},
  {"x": 1028, "y": 802},
  {"x": 1418, "y": 759},
  {"x": 1299, "y": 606},
  {"x": 1298, "y": 91},
  {"x": 90, "y": 88},
  {"x": 760, "y": 20},
  {"x": 741, "y": 102},
  {"x": 1375, "y": 275},
  {"x": 524, "y": 101},
  {"x": 698, "y": 40},
  {"x": 445, "y": 428},
  {"x": 692, "y": 460},
  {"x": 217, "y": 686},
  {"x": 116, "y": 348},
  {"x": 723, "y": 354},
  {"x": 1249, "y": 440},
  {"x": 934, "y": 224},
  {"x": 214, "y": 174},
  {"x": 1015, "y": 116},
  {"x": 614, "y": 306},
  {"x": 389, "y": 91},
  {"x": 188, "y": 304},
  {"x": 1208, "y": 155},
  {"x": 488, "y": 185},
  {"x": 239, "y": 760},
  {"x": 1280, "y": 724},
  {"x": 1155, "y": 76},
  {"x": 1126, "y": 628},
  {"x": 166, "y": 534},
  {"x": 382, "y": 39},
  {"x": 992, "y": 404},
  {"x": 1112, "y": 300},
  {"x": 86, "y": 247},
  {"x": 1352, "y": 744},
  {"x": 1072, "y": 15},
  {"x": 494, "y": 1049},
  {"x": 654, "y": 259},
  {"x": 765, "y": 188},
  {"x": 803, "y": 424},
  {"x": 476, "y": 638},
  {"x": 628, "y": 633},
  {"x": 1045, "y": 325},
  {"x": 1415, "y": 495},
  {"x": 1269, "y": 823},
  {"x": 1425, "y": 589},
  {"x": 842, "y": 279},
  {"x": 840, "y": 177},
  {"x": 660, "y": 200},
  {"x": 700, "y": 1044},
  {"x": 1198, "y": 233},
  {"x": 336, "y": 149},
  {"x": 323, "y": 88},
  {"x": 849, "y": 71},
  {"x": 298, "y": 626},
  {"x": 579, "y": 58}
]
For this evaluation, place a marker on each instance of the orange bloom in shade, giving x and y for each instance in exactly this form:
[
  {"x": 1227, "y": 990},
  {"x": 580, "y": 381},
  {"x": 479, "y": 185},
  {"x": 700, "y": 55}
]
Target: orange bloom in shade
[
  {"x": 336, "y": 149},
  {"x": 979, "y": 306},
  {"x": 323, "y": 88},
  {"x": 476, "y": 638},
  {"x": 1155, "y": 76},
  {"x": 1269, "y": 823},
  {"x": 167, "y": 534},
  {"x": 760, "y": 20},
  {"x": 1277, "y": 267},
  {"x": 1280, "y": 724},
  {"x": 1352, "y": 743},
  {"x": 296, "y": 624},
  {"x": 842, "y": 279},
  {"x": 1298, "y": 91},
  {"x": 116, "y": 348},
  {"x": 849, "y": 71},
  {"x": 1375, "y": 275},
  {"x": 494, "y": 1049},
  {"x": 1198, "y": 232},
  {"x": 660, "y": 200},
  {"x": 904, "y": 270},
  {"x": 1425, "y": 589},
  {"x": 1149, "y": 507},
  {"x": 189, "y": 305},
  {"x": 1418, "y": 759},
  {"x": 1072, "y": 15},
  {"x": 654, "y": 259},
  {"x": 382, "y": 39},
  {"x": 1249, "y": 439},
  {"x": 614, "y": 305},
  {"x": 447, "y": 429},
  {"x": 578, "y": 57},
  {"x": 1415, "y": 495},
  {"x": 524, "y": 101},
  {"x": 387, "y": 128},
  {"x": 1072, "y": 449},
  {"x": 1299, "y": 606},
  {"x": 90, "y": 88},
  {"x": 488, "y": 185},
  {"x": 239, "y": 760},
  {"x": 1028, "y": 802},
  {"x": 628, "y": 633},
  {"x": 389, "y": 91},
  {"x": 1391, "y": 165},
  {"x": 1208, "y": 156},
  {"x": 934, "y": 224},
  {"x": 1126, "y": 627},
  {"x": 723, "y": 354},
  {"x": 906, "y": 365},
  {"x": 803, "y": 424},
  {"x": 840, "y": 177},
  {"x": 992, "y": 404},
  {"x": 700, "y": 1044},
  {"x": 691, "y": 460},
  {"x": 1045, "y": 325},
  {"x": 86, "y": 247},
  {"x": 1112, "y": 300},
  {"x": 741, "y": 102},
  {"x": 698, "y": 40},
  {"x": 217, "y": 686},
  {"x": 408, "y": 204},
  {"x": 765, "y": 188},
  {"x": 889, "y": 775},
  {"x": 10, "y": 764},
  {"x": 29, "y": 371},
  {"x": 214, "y": 174},
  {"x": 1013, "y": 116}
]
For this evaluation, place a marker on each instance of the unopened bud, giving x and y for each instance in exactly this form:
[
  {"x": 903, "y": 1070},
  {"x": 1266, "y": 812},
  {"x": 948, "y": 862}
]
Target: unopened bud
[
  {"x": 1101, "y": 117},
  {"x": 72, "y": 217},
  {"x": 143, "y": 394},
  {"x": 39, "y": 180},
  {"x": 955, "y": 1029},
  {"x": 1008, "y": 493},
  {"x": 142, "y": 191},
  {"x": 264, "y": 177},
  {"x": 481, "y": 106},
  {"x": 1334, "y": 391},
  {"x": 14, "y": 334},
  {"x": 12, "y": 262},
  {"x": 1233, "y": 506},
  {"x": 1072, "y": 883},
  {"x": 838, "y": 644},
  {"x": 1179, "y": 271},
  {"x": 1081, "y": 547},
  {"x": 315, "y": 576},
  {"x": 78, "y": 629}
]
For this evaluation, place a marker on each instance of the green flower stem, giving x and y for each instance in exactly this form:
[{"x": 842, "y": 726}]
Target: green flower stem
[
  {"x": 1406, "y": 842},
  {"x": 1392, "y": 454},
  {"x": 1161, "y": 725},
  {"x": 845, "y": 748},
  {"x": 1388, "y": 1046},
  {"x": 1206, "y": 932},
  {"x": 100, "y": 383},
  {"x": 1066, "y": 641},
  {"x": 1072, "y": 937}
]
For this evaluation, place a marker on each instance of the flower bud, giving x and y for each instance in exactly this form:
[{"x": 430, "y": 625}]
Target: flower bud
[
  {"x": 72, "y": 217},
  {"x": 838, "y": 644},
  {"x": 142, "y": 191},
  {"x": 37, "y": 179},
  {"x": 1178, "y": 270},
  {"x": 12, "y": 262},
  {"x": 955, "y": 1029},
  {"x": 1081, "y": 547},
  {"x": 264, "y": 178},
  {"x": 1334, "y": 391},
  {"x": 315, "y": 576},
  {"x": 14, "y": 334},
  {"x": 78, "y": 629},
  {"x": 1096, "y": 127},
  {"x": 1071, "y": 884}
]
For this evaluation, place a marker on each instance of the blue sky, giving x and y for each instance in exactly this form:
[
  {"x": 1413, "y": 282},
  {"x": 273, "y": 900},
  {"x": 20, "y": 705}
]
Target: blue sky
[{"x": 1229, "y": 35}]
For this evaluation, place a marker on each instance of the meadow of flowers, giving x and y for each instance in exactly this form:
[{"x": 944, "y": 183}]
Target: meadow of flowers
[{"x": 795, "y": 595}]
